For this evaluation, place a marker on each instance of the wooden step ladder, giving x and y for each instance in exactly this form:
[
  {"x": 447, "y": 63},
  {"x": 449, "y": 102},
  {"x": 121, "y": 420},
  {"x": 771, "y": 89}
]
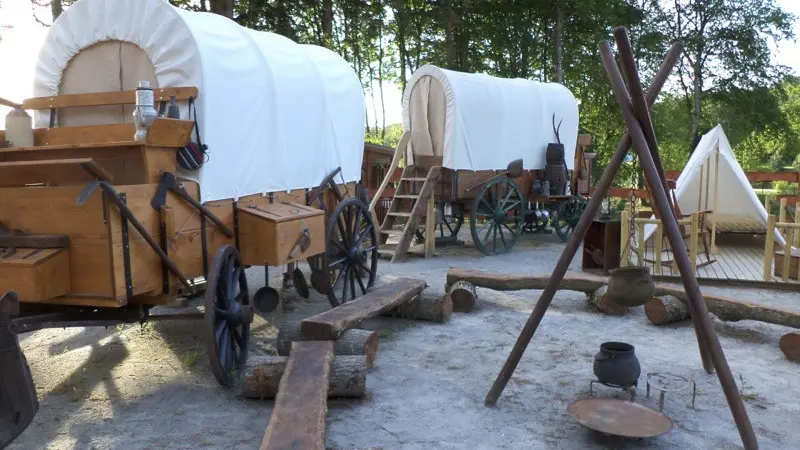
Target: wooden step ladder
[{"x": 410, "y": 202}]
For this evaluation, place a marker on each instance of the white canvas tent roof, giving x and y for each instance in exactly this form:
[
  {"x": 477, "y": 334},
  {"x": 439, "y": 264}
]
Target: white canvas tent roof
[
  {"x": 275, "y": 114},
  {"x": 480, "y": 122},
  {"x": 736, "y": 207}
]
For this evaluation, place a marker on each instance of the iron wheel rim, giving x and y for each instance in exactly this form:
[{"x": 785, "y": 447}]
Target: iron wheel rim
[
  {"x": 352, "y": 252},
  {"x": 567, "y": 217},
  {"x": 500, "y": 204},
  {"x": 228, "y": 314}
]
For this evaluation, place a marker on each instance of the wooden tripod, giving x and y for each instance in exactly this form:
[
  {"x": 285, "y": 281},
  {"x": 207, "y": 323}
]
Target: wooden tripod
[{"x": 635, "y": 109}]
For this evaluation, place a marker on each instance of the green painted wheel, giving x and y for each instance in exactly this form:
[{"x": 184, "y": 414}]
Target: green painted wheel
[
  {"x": 567, "y": 215},
  {"x": 497, "y": 216}
]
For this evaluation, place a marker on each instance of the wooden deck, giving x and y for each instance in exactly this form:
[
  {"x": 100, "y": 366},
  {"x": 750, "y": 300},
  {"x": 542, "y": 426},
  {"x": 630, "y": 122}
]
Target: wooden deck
[{"x": 739, "y": 258}]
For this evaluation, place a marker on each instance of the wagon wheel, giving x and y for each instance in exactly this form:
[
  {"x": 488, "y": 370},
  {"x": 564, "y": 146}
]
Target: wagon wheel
[
  {"x": 450, "y": 226},
  {"x": 567, "y": 216},
  {"x": 228, "y": 314},
  {"x": 499, "y": 205},
  {"x": 352, "y": 251}
]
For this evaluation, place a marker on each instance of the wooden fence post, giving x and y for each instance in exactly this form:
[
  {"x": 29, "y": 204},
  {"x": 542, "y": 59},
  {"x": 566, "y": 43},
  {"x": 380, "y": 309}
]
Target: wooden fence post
[
  {"x": 640, "y": 251},
  {"x": 625, "y": 216},
  {"x": 788, "y": 237},
  {"x": 797, "y": 220},
  {"x": 693, "y": 241},
  {"x": 430, "y": 228},
  {"x": 659, "y": 242},
  {"x": 769, "y": 245},
  {"x": 782, "y": 210}
]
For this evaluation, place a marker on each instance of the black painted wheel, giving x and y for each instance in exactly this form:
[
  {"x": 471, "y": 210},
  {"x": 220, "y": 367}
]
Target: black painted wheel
[
  {"x": 352, "y": 251},
  {"x": 497, "y": 216},
  {"x": 228, "y": 314},
  {"x": 567, "y": 216}
]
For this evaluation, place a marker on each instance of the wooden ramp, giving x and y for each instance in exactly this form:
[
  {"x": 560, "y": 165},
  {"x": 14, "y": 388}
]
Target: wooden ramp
[
  {"x": 332, "y": 323},
  {"x": 298, "y": 418},
  {"x": 410, "y": 202}
]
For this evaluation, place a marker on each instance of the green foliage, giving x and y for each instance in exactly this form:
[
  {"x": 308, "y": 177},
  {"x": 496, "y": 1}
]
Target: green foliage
[{"x": 389, "y": 136}]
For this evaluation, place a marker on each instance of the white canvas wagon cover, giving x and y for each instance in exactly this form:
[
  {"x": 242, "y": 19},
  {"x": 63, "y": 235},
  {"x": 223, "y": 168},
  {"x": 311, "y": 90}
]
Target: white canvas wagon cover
[
  {"x": 481, "y": 122},
  {"x": 275, "y": 114}
]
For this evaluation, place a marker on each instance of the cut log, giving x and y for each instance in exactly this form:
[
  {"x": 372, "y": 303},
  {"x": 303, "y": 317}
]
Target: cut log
[
  {"x": 351, "y": 342},
  {"x": 724, "y": 308},
  {"x": 298, "y": 418},
  {"x": 332, "y": 323},
  {"x": 463, "y": 295},
  {"x": 790, "y": 346},
  {"x": 347, "y": 379},
  {"x": 666, "y": 309},
  {"x": 572, "y": 281},
  {"x": 424, "y": 307},
  {"x": 603, "y": 302}
]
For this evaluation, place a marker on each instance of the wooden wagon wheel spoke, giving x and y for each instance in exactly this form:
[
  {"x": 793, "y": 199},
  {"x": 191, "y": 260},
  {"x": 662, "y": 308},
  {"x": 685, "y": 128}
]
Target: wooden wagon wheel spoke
[
  {"x": 357, "y": 276},
  {"x": 337, "y": 262},
  {"x": 502, "y": 196},
  {"x": 367, "y": 269},
  {"x": 228, "y": 314},
  {"x": 363, "y": 235},
  {"x": 346, "y": 273}
]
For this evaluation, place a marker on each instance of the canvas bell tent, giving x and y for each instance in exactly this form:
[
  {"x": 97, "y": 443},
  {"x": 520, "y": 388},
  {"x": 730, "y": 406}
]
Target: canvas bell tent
[
  {"x": 267, "y": 106},
  {"x": 481, "y": 122},
  {"x": 714, "y": 181}
]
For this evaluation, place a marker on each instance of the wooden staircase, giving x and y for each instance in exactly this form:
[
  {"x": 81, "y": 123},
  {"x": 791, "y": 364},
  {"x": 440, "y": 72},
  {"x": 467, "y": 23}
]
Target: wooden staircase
[{"x": 410, "y": 202}]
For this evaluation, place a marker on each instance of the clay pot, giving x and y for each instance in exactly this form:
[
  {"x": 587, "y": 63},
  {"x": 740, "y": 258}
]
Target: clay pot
[
  {"x": 631, "y": 285},
  {"x": 616, "y": 364}
]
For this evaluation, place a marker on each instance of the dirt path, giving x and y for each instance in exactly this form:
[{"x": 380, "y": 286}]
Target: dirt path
[{"x": 150, "y": 388}]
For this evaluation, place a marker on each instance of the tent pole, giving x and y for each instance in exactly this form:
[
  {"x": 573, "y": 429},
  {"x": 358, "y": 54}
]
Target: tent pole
[
  {"x": 716, "y": 203},
  {"x": 699, "y": 311},
  {"x": 708, "y": 182}
]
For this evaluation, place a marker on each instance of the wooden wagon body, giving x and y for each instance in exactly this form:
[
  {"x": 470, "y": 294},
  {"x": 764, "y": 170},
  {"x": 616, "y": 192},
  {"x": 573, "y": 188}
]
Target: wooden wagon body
[
  {"x": 99, "y": 225},
  {"x": 462, "y": 133}
]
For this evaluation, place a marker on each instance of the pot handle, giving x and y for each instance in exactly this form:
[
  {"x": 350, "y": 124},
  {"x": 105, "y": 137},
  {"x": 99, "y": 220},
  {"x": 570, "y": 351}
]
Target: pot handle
[{"x": 603, "y": 356}]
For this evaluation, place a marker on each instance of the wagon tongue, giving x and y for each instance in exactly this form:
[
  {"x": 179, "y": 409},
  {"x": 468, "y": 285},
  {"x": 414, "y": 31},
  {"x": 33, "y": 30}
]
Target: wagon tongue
[{"x": 18, "y": 403}]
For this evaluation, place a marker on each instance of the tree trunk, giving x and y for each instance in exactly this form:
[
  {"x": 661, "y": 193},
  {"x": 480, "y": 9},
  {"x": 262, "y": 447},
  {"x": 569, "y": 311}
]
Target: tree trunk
[
  {"x": 666, "y": 309},
  {"x": 463, "y": 295},
  {"x": 222, "y": 7},
  {"x": 380, "y": 83},
  {"x": 790, "y": 346},
  {"x": 400, "y": 17},
  {"x": 262, "y": 376},
  {"x": 327, "y": 23},
  {"x": 604, "y": 303},
  {"x": 559, "y": 41},
  {"x": 425, "y": 307},
  {"x": 56, "y": 8},
  {"x": 351, "y": 342}
]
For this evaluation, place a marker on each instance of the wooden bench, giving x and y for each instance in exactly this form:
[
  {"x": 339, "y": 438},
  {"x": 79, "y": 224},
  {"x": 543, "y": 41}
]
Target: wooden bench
[{"x": 332, "y": 323}]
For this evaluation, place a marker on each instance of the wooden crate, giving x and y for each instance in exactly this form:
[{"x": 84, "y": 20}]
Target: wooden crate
[
  {"x": 268, "y": 233},
  {"x": 36, "y": 275}
]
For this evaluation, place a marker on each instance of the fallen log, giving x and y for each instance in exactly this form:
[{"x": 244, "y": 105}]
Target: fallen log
[
  {"x": 666, "y": 309},
  {"x": 302, "y": 394},
  {"x": 424, "y": 307},
  {"x": 724, "y": 308},
  {"x": 351, "y": 342},
  {"x": 463, "y": 295},
  {"x": 347, "y": 379},
  {"x": 790, "y": 346},
  {"x": 332, "y": 323},
  {"x": 603, "y": 302},
  {"x": 573, "y": 281}
]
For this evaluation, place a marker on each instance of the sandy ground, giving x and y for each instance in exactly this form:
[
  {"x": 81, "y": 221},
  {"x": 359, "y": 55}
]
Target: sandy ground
[{"x": 150, "y": 387}]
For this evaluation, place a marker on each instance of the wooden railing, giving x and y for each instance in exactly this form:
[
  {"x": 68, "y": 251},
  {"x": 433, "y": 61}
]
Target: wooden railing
[
  {"x": 398, "y": 153},
  {"x": 787, "y": 259},
  {"x": 658, "y": 241}
]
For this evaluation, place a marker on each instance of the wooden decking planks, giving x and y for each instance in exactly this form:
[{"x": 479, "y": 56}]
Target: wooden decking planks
[
  {"x": 298, "y": 418},
  {"x": 330, "y": 324}
]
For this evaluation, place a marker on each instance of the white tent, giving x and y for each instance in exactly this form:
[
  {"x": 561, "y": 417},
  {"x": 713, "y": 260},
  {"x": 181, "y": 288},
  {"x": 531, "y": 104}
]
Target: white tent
[
  {"x": 480, "y": 122},
  {"x": 714, "y": 181},
  {"x": 275, "y": 114}
]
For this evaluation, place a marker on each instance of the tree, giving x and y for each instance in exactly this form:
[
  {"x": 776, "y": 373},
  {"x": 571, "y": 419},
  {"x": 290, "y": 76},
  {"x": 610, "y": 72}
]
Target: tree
[{"x": 725, "y": 46}]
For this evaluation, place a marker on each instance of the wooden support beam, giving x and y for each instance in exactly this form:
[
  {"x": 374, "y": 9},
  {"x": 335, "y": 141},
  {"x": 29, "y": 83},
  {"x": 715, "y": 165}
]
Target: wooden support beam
[
  {"x": 34, "y": 241},
  {"x": 724, "y": 308},
  {"x": 431, "y": 308},
  {"x": 351, "y": 342},
  {"x": 769, "y": 247},
  {"x": 298, "y": 418},
  {"x": 332, "y": 323},
  {"x": 262, "y": 376}
]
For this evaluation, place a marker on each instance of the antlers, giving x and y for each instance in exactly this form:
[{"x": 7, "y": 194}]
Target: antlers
[{"x": 555, "y": 130}]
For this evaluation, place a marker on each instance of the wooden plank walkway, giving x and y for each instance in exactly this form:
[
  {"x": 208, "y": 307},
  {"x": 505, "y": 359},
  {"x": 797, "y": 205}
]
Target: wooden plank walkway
[{"x": 734, "y": 261}]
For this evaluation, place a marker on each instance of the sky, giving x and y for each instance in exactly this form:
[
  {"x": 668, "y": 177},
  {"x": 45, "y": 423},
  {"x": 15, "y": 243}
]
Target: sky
[{"x": 20, "y": 45}]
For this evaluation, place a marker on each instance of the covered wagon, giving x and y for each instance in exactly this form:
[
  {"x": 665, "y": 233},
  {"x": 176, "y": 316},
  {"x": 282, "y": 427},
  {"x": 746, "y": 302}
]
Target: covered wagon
[
  {"x": 463, "y": 131},
  {"x": 116, "y": 208}
]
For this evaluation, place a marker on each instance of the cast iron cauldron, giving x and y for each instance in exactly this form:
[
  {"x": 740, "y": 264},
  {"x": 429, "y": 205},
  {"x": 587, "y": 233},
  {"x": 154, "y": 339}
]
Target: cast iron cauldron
[
  {"x": 616, "y": 364},
  {"x": 630, "y": 285}
]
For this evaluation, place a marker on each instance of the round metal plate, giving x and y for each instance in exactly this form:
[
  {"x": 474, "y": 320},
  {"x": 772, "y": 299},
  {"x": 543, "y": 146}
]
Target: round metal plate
[
  {"x": 619, "y": 417},
  {"x": 300, "y": 285},
  {"x": 266, "y": 299}
]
